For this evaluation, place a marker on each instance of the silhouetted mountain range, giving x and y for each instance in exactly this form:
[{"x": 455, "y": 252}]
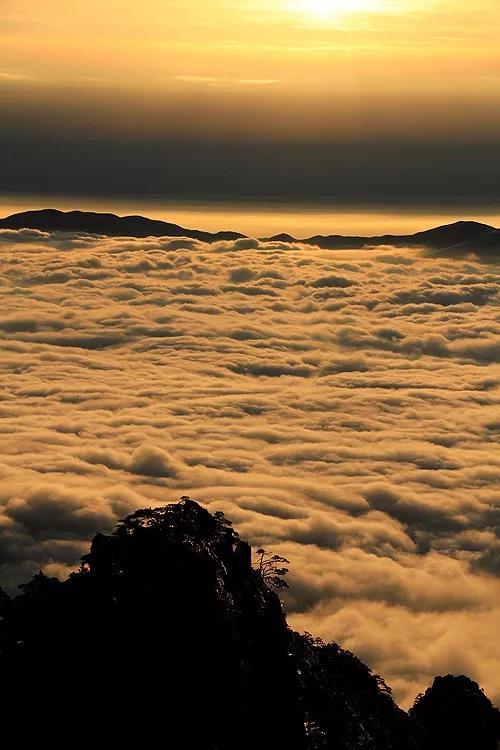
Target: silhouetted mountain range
[
  {"x": 169, "y": 637},
  {"x": 88, "y": 222},
  {"x": 461, "y": 236}
]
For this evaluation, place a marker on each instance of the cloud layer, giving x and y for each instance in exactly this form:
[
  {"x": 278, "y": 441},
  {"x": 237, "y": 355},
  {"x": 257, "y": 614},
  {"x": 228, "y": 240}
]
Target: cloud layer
[{"x": 340, "y": 407}]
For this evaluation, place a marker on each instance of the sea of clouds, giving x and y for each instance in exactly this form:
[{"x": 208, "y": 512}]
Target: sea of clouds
[{"x": 340, "y": 407}]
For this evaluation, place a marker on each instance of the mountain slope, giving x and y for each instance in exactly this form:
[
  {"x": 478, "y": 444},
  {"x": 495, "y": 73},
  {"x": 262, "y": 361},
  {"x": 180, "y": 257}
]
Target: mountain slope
[
  {"x": 168, "y": 637},
  {"x": 51, "y": 220}
]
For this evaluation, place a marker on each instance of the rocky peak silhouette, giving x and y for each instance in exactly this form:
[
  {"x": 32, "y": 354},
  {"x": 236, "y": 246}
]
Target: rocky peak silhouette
[
  {"x": 168, "y": 637},
  {"x": 455, "y": 713}
]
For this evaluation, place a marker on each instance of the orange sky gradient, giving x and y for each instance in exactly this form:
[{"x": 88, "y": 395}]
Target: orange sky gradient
[{"x": 355, "y": 67}]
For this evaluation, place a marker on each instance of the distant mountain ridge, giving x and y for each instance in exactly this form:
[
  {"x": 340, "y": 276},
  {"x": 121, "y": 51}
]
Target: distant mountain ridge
[
  {"x": 88, "y": 222},
  {"x": 461, "y": 236}
]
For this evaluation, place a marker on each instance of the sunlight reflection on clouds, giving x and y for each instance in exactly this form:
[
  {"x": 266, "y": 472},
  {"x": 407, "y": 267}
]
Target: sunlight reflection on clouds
[{"x": 340, "y": 407}]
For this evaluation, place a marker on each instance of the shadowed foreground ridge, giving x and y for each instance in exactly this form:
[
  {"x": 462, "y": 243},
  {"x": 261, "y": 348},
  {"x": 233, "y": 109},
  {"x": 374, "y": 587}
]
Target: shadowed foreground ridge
[{"x": 168, "y": 637}]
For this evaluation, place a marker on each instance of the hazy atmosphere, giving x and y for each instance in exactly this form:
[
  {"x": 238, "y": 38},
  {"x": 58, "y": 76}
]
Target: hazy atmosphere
[{"x": 328, "y": 99}]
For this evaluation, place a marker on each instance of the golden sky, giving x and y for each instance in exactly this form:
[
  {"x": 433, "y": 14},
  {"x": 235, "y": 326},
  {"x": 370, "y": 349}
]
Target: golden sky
[
  {"x": 394, "y": 72},
  {"x": 388, "y": 46}
]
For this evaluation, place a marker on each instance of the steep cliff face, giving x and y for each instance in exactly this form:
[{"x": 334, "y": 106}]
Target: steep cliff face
[{"x": 167, "y": 637}]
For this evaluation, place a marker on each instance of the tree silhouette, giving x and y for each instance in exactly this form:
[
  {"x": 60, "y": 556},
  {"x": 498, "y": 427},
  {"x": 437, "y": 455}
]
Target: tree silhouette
[
  {"x": 40, "y": 585},
  {"x": 268, "y": 566}
]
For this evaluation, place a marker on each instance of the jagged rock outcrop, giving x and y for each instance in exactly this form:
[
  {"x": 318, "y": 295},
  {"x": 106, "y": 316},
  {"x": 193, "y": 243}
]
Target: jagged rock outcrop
[{"x": 167, "y": 637}]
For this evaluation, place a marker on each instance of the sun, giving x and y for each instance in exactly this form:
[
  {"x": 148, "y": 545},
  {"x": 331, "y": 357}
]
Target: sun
[{"x": 327, "y": 9}]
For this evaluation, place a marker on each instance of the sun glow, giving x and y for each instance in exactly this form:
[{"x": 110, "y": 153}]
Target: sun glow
[{"x": 327, "y": 9}]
